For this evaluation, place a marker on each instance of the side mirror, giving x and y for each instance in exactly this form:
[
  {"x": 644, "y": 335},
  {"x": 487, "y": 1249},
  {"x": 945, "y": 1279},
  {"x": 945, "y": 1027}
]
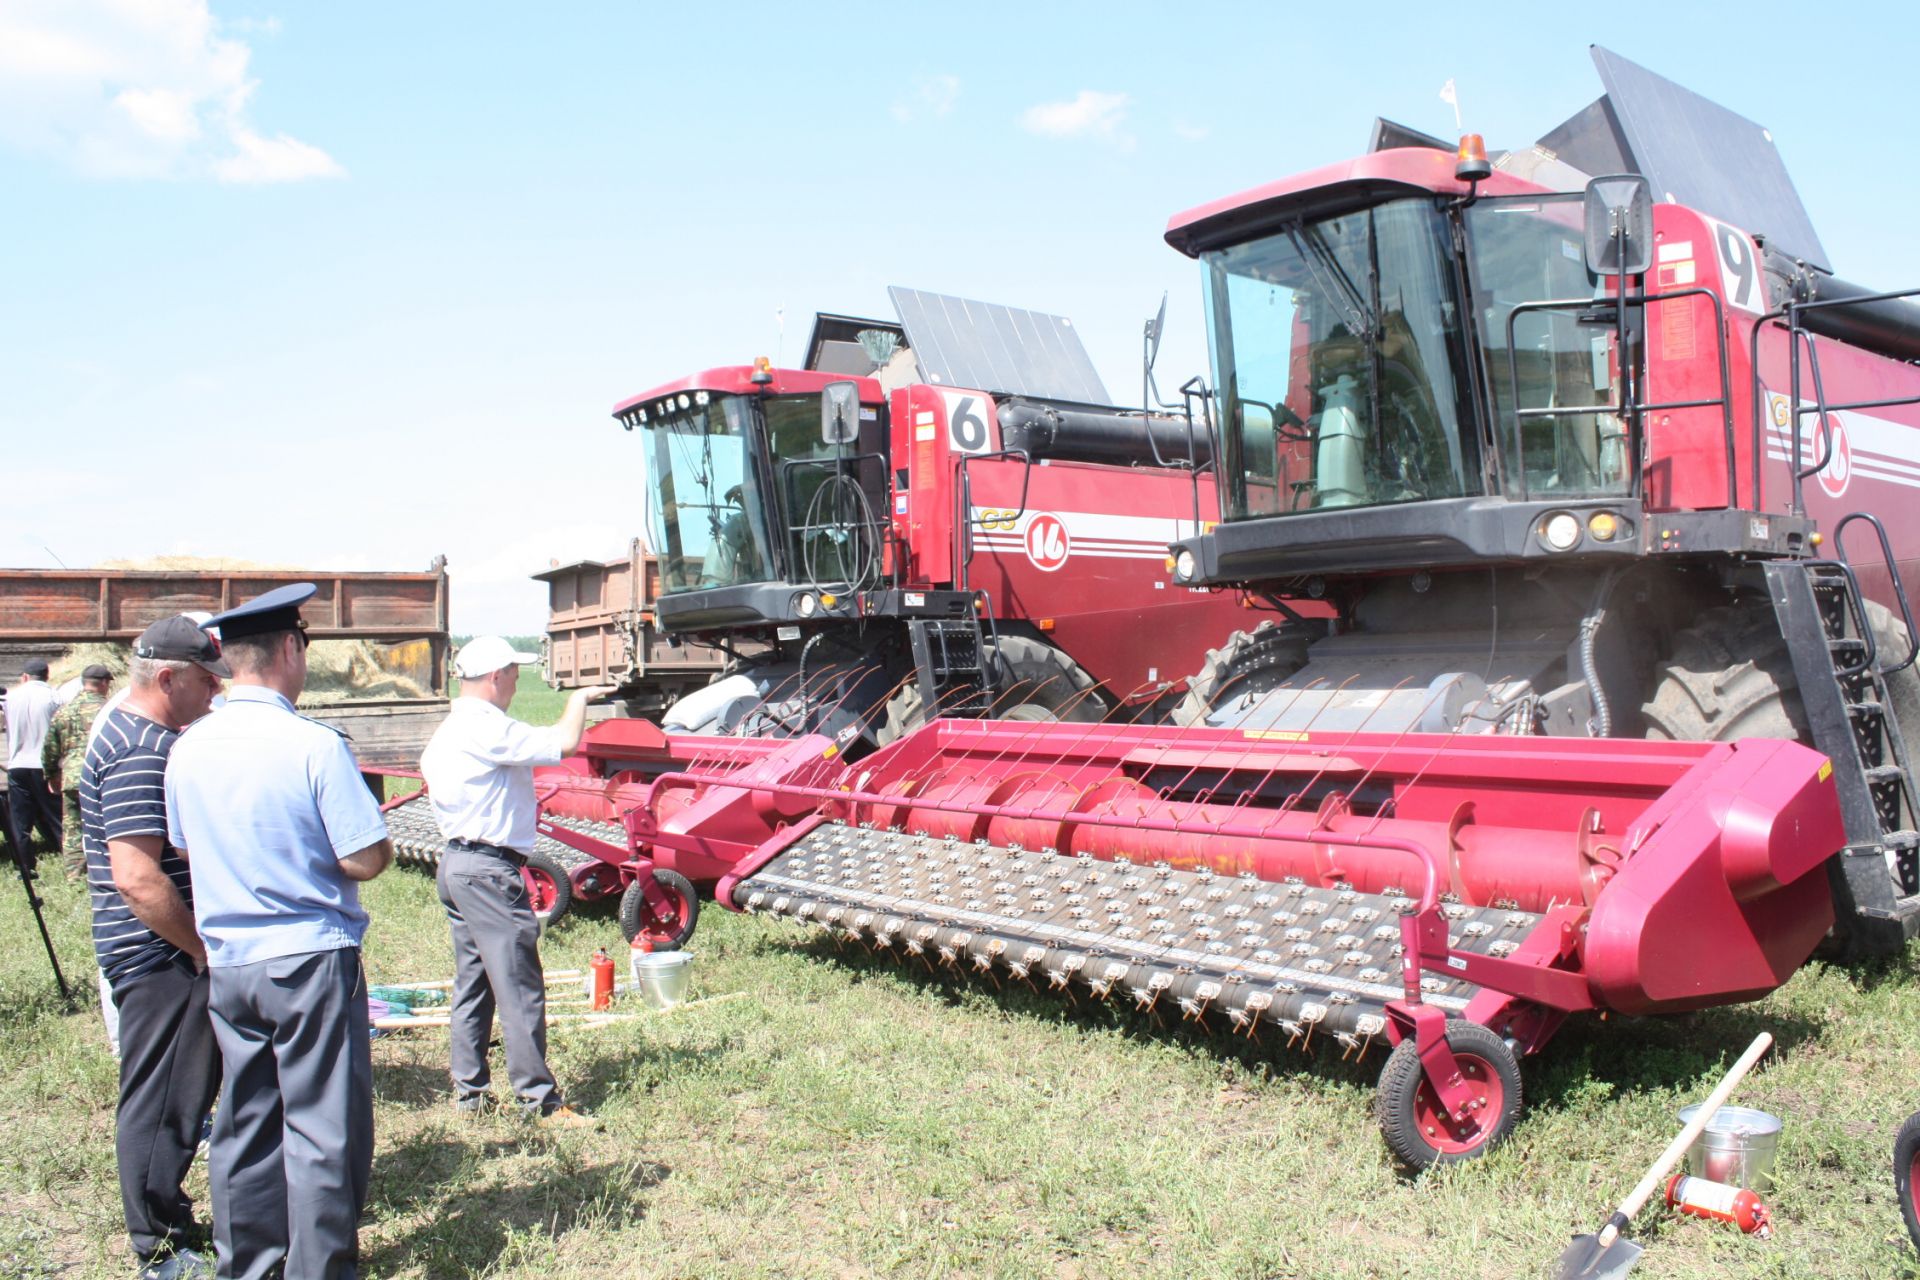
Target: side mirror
[
  {"x": 840, "y": 413},
  {"x": 1619, "y": 225}
]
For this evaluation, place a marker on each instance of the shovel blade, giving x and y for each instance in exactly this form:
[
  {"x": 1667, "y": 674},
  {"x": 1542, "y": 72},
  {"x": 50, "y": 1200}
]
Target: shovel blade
[{"x": 1587, "y": 1259}]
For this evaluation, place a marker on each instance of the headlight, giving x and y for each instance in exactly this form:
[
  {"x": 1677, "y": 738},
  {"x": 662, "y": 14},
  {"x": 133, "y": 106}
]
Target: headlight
[
  {"x": 1604, "y": 526},
  {"x": 1183, "y": 566},
  {"x": 806, "y": 605},
  {"x": 1560, "y": 531}
]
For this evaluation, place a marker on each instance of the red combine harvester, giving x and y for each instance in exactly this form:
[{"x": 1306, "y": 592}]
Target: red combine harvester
[
  {"x": 940, "y": 516},
  {"x": 1572, "y": 471}
]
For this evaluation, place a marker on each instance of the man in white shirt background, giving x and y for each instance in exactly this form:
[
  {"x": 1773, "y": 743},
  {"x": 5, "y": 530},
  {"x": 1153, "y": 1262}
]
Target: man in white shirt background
[
  {"x": 479, "y": 774},
  {"x": 30, "y": 803}
]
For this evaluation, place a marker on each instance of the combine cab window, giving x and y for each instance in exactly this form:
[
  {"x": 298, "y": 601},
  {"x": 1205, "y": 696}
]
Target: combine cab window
[
  {"x": 706, "y": 519},
  {"x": 1529, "y": 250},
  {"x": 1335, "y": 344}
]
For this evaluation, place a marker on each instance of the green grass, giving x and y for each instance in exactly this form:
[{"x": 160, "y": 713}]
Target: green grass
[{"x": 848, "y": 1118}]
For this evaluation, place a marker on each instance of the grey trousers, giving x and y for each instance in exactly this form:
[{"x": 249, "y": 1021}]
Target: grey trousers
[
  {"x": 292, "y": 1146},
  {"x": 496, "y": 956}
]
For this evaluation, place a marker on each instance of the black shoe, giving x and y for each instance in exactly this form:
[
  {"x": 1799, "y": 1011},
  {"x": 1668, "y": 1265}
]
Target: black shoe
[{"x": 181, "y": 1264}]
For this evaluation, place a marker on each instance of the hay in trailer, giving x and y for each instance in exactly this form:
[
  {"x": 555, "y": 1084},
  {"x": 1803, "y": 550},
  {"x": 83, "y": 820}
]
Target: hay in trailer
[
  {"x": 339, "y": 670},
  {"x": 68, "y": 664},
  {"x": 195, "y": 564}
]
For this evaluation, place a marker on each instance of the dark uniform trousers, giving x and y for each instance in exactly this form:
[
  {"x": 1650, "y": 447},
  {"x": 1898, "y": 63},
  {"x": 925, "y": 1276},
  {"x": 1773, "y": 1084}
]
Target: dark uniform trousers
[
  {"x": 292, "y": 1144},
  {"x": 169, "y": 1073},
  {"x": 31, "y": 804},
  {"x": 496, "y": 956}
]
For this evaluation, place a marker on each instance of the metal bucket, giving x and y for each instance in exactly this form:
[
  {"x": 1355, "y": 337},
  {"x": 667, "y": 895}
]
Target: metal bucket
[
  {"x": 1736, "y": 1148},
  {"x": 663, "y": 977}
]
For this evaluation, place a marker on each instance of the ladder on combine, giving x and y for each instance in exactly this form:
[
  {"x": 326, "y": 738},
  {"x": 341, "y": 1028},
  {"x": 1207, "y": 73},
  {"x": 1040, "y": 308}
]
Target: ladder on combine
[
  {"x": 951, "y": 659},
  {"x": 1843, "y": 686}
]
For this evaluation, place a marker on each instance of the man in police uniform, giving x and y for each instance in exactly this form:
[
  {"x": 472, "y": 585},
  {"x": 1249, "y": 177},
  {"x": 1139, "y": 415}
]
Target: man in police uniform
[
  {"x": 479, "y": 774},
  {"x": 271, "y": 810},
  {"x": 65, "y": 753}
]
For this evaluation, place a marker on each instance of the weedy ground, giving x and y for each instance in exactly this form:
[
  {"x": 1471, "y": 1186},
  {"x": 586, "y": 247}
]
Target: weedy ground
[{"x": 850, "y": 1118}]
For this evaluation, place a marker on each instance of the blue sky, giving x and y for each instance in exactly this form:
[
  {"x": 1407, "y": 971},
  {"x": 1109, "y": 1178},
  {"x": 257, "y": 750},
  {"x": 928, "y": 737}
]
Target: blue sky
[{"x": 349, "y": 285}]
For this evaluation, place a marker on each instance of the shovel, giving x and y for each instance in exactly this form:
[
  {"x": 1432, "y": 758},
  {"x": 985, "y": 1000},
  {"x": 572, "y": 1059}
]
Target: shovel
[{"x": 1606, "y": 1256}]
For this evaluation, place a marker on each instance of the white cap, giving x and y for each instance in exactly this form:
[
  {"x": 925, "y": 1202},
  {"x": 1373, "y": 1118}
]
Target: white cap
[{"x": 484, "y": 655}]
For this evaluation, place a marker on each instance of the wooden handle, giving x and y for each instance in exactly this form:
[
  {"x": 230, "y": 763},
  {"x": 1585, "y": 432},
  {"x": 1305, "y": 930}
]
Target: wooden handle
[{"x": 1678, "y": 1147}]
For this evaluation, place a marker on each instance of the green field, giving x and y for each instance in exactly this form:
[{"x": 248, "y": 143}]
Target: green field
[{"x": 849, "y": 1118}]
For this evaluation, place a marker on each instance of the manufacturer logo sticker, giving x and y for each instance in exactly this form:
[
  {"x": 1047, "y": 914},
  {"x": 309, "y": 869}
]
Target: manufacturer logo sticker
[
  {"x": 1835, "y": 476},
  {"x": 1048, "y": 545}
]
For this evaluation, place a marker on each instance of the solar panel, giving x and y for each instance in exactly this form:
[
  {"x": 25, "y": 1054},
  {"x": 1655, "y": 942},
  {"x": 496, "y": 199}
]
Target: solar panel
[
  {"x": 1005, "y": 350},
  {"x": 1694, "y": 152}
]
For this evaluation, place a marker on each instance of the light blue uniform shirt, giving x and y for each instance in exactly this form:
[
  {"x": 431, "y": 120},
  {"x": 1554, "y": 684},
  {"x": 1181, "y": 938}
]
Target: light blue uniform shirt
[{"x": 266, "y": 804}]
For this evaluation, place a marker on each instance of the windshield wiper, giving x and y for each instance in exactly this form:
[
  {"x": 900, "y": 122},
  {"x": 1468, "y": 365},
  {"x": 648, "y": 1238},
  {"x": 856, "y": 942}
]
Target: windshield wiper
[{"x": 1311, "y": 244}]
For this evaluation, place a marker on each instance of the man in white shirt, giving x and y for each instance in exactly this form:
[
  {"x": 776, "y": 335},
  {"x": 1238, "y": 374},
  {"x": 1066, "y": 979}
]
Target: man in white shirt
[
  {"x": 479, "y": 774},
  {"x": 30, "y": 803}
]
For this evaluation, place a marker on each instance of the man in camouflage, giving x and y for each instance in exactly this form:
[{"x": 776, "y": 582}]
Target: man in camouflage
[{"x": 64, "y": 754}]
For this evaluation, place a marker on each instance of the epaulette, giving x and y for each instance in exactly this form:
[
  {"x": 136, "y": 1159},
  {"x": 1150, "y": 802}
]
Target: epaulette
[{"x": 344, "y": 735}]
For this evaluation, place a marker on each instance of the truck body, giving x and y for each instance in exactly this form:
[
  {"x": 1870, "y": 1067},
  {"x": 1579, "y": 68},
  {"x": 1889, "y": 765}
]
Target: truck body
[
  {"x": 601, "y": 630},
  {"x": 401, "y": 617}
]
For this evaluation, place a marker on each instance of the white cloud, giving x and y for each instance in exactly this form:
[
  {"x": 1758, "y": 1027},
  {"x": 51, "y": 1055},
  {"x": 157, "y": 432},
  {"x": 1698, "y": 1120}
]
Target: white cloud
[
  {"x": 1191, "y": 132},
  {"x": 933, "y": 96},
  {"x": 1091, "y": 114},
  {"x": 141, "y": 89},
  {"x": 276, "y": 159}
]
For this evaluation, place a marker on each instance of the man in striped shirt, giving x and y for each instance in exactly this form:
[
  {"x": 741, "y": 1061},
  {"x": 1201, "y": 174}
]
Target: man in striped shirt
[{"x": 144, "y": 939}]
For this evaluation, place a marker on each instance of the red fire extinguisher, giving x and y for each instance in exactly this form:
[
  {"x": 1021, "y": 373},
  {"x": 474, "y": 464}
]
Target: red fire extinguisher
[
  {"x": 602, "y": 970},
  {"x": 1720, "y": 1202}
]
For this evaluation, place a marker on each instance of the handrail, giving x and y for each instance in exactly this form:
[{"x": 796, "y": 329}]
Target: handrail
[
  {"x": 1893, "y": 573},
  {"x": 1633, "y": 412},
  {"x": 963, "y": 507},
  {"x": 1791, "y": 313}
]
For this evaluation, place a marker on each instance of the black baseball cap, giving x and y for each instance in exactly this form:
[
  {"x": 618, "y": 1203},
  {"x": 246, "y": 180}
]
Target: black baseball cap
[
  {"x": 180, "y": 639},
  {"x": 95, "y": 671},
  {"x": 34, "y": 668}
]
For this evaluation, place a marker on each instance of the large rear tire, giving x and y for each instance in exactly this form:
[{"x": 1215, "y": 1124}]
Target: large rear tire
[
  {"x": 1249, "y": 663},
  {"x": 1033, "y": 681},
  {"x": 1729, "y": 676}
]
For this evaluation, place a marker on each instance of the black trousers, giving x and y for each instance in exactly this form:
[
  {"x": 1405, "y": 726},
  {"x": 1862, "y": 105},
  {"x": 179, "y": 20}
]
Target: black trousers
[
  {"x": 169, "y": 1073},
  {"x": 292, "y": 1150},
  {"x": 30, "y": 804}
]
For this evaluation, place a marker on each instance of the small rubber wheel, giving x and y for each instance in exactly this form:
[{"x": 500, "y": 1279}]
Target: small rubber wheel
[
  {"x": 1418, "y": 1129},
  {"x": 668, "y": 930},
  {"x": 549, "y": 889},
  {"x": 1906, "y": 1174}
]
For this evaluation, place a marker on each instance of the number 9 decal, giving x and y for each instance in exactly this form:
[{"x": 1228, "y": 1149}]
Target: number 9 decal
[
  {"x": 1741, "y": 277},
  {"x": 966, "y": 421}
]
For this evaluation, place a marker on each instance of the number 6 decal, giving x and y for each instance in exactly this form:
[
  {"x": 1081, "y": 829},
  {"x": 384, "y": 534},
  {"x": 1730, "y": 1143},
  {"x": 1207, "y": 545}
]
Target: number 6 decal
[{"x": 966, "y": 421}]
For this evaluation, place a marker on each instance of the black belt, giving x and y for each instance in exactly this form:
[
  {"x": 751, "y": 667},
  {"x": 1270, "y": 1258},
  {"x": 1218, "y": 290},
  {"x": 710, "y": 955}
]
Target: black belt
[{"x": 514, "y": 856}]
